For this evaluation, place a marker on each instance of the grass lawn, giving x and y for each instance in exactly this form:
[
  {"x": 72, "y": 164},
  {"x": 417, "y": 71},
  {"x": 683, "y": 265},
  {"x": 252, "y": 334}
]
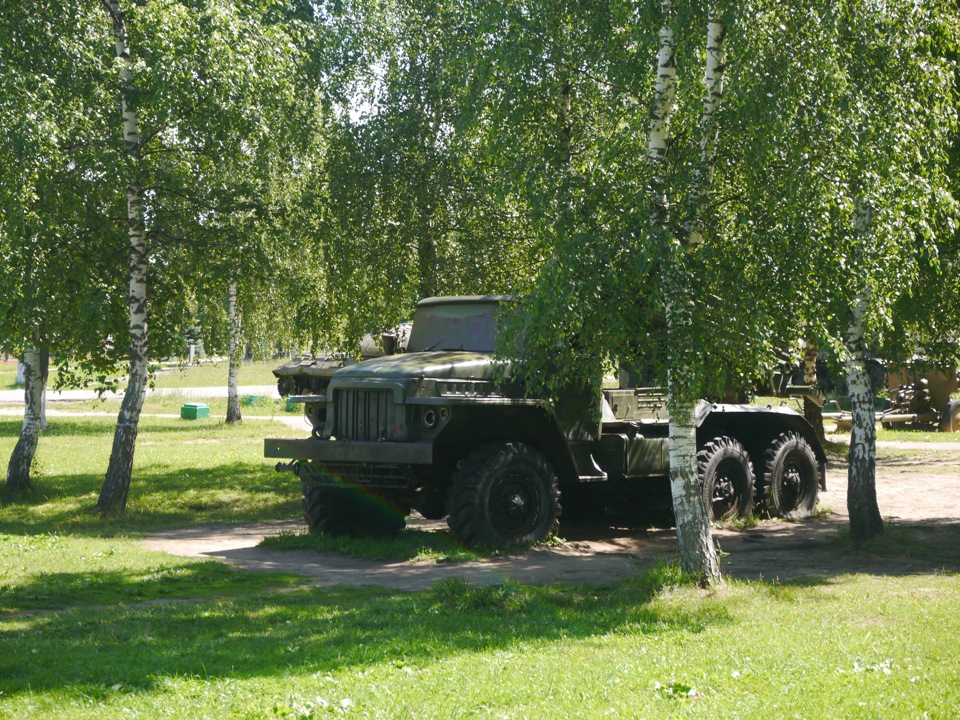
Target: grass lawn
[
  {"x": 8, "y": 374},
  {"x": 170, "y": 404},
  {"x": 205, "y": 374},
  {"x": 187, "y": 472},
  {"x": 214, "y": 374},
  {"x": 92, "y": 625}
]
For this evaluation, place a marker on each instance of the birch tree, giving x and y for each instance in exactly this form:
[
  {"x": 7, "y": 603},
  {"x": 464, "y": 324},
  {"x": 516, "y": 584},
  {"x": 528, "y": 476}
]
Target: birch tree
[
  {"x": 234, "y": 352},
  {"x": 893, "y": 113},
  {"x": 113, "y": 495},
  {"x": 18, "y": 468},
  {"x": 620, "y": 219},
  {"x": 213, "y": 112},
  {"x": 697, "y": 553},
  {"x": 849, "y": 180},
  {"x": 58, "y": 292}
]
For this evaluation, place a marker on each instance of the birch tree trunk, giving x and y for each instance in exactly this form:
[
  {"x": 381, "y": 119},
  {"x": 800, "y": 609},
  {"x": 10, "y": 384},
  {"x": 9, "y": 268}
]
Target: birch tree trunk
[
  {"x": 865, "y": 519},
  {"x": 44, "y": 376},
  {"x": 663, "y": 109},
  {"x": 233, "y": 350},
  {"x": 703, "y": 175},
  {"x": 697, "y": 555},
  {"x": 21, "y": 460},
  {"x": 566, "y": 123},
  {"x": 116, "y": 485},
  {"x": 811, "y": 410}
]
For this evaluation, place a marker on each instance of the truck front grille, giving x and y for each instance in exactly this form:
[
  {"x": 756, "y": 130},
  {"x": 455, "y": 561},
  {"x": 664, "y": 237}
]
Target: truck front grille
[{"x": 364, "y": 415}]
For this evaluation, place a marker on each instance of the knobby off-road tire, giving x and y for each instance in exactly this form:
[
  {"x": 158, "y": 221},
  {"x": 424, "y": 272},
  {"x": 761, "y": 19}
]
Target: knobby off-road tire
[
  {"x": 950, "y": 419},
  {"x": 504, "y": 496},
  {"x": 339, "y": 511},
  {"x": 791, "y": 477},
  {"x": 726, "y": 479}
]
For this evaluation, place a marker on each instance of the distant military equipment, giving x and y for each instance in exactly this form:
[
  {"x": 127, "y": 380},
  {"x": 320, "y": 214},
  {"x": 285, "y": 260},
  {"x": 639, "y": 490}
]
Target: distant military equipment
[{"x": 310, "y": 375}]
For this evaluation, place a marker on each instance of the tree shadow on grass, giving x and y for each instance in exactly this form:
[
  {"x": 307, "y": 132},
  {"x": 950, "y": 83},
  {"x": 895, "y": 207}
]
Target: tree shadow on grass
[
  {"x": 812, "y": 550},
  {"x": 316, "y": 631},
  {"x": 160, "y": 497},
  {"x": 106, "y": 588}
]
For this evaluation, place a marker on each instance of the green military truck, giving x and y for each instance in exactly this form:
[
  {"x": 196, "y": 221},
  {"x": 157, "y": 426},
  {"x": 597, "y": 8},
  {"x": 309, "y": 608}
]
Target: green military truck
[{"x": 444, "y": 429}]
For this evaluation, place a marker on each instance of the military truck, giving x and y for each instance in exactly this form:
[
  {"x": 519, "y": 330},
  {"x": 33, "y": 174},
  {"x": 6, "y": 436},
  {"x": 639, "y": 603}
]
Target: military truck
[{"x": 448, "y": 430}]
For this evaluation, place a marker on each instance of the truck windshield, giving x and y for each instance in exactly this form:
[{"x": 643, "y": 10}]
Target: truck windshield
[{"x": 467, "y": 326}]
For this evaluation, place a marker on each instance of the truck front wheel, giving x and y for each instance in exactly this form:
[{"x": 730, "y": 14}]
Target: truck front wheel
[
  {"x": 726, "y": 479},
  {"x": 504, "y": 495},
  {"x": 338, "y": 511},
  {"x": 791, "y": 478}
]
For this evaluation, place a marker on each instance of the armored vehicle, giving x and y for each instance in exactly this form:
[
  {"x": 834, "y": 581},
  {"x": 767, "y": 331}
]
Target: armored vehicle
[
  {"x": 448, "y": 430},
  {"x": 310, "y": 375}
]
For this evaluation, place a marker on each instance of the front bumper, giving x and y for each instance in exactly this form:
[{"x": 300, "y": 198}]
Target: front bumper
[{"x": 346, "y": 451}]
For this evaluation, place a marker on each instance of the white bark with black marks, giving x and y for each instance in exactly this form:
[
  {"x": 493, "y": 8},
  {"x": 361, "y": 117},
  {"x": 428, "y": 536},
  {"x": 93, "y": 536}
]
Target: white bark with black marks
[
  {"x": 234, "y": 347},
  {"x": 21, "y": 460},
  {"x": 116, "y": 486},
  {"x": 698, "y": 556},
  {"x": 703, "y": 174},
  {"x": 865, "y": 519},
  {"x": 663, "y": 98}
]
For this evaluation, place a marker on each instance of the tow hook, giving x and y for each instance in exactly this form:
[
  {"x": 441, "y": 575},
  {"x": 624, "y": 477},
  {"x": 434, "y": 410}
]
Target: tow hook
[{"x": 287, "y": 467}]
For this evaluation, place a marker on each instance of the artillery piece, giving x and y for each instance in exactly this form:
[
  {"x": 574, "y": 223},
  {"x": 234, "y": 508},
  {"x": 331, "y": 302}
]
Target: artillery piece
[{"x": 920, "y": 394}]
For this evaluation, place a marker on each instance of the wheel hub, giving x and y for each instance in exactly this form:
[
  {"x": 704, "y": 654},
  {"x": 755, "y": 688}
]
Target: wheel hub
[
  {"x": 792, "y": 485},
  {"x": 724, "y": 498},
  {"x": 514, "y": 505}
]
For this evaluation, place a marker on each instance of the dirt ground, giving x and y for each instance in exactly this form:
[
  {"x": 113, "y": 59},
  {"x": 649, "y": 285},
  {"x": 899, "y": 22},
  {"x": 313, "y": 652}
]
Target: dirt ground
[{"x": 918, "y": 490}]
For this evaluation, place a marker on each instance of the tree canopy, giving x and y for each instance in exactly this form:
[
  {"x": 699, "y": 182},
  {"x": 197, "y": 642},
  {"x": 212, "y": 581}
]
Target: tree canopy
[{"x": 337, "y": 161}]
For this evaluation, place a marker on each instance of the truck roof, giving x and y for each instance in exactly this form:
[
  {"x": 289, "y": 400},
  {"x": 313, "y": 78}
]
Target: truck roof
[
  {"x": 455, "y": 299},
  {"x": 460, "y": 322}
]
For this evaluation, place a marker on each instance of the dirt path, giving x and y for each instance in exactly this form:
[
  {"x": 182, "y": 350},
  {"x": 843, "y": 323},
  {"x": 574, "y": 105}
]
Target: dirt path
[{"x": 918, "y": 489}]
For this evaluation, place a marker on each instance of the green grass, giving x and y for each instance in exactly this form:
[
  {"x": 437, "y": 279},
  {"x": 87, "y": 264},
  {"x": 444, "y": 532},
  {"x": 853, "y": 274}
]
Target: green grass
[
  {"x": 853, "y": 647},
  {"x": 410, "y": 545},
  {"x": 920, "y": 434},
  {"x": 214, "y": 374},
  {"x": 168, "y": 375},
  {"x": 186, "y": 472},
  {"x": 8, "y": 374},
  {"x": 51, "y": 572},
  {"x": 170, "y": 404},
  {"x": 93, "y": 625}
]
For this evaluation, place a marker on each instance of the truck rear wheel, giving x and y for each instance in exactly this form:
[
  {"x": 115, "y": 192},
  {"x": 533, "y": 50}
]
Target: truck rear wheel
[
  {"x": 504, "y": 495},
  {"x": 340, "y": 511},
  {"x": 950, "y": 420},
  {"x": 791, "y": 477},
  {"x": 726, "y": 479}
]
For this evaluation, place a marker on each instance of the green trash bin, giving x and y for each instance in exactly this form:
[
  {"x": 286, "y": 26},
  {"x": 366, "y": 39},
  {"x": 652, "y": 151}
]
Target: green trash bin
[{"x": 194, "y": 411}]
